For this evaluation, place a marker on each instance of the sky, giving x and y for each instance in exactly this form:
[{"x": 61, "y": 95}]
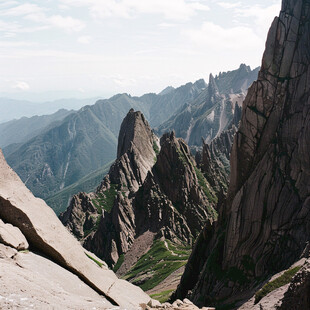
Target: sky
[{"x": 80, "y": 48}]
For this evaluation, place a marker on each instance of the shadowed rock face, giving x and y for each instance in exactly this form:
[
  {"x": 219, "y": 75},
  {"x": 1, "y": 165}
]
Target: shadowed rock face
[
  {"x": 265, "y": 224},
  {"x": 172, "y": 199}
]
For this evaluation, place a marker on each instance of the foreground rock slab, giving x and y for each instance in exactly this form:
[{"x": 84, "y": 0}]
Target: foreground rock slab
[
  {"x": 28, "y": 280},
  {"x": 45, "y": 232}
]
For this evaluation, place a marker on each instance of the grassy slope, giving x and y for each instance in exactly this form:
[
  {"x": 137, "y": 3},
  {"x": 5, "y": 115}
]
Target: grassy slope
[
  {"x": 157, "y": 264},
  {"x": 284, "y": 279}
]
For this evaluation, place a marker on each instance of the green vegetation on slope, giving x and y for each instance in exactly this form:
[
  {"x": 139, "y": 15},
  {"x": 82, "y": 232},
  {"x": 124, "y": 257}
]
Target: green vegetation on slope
[
  {"x": 158, "y": 263},
  {"x": 155, "y": 148},
  {"x": 106, "y": 200},
  {"x": 59, "y": 201},
  {"x": 284, "y": 279},
  {"x": 119, "y": 263},
  {"x": 162, "y": 296},
  {"x": 95, "y": 260},
  {"x": 203, "y": 184}
]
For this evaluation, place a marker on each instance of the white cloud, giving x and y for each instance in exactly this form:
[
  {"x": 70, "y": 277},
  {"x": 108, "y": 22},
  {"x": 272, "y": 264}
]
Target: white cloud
[
  {"x": 22, "y": 10},
  {"x": 37, "y": 14},
  {"x": 229, "y": 5},
  {"x": 217, "y": 37},
  {"x": 7, "y": 44},
  {"x": 4, "y": 4},
  {"x": 84, "y": 39},
  {"x": 122, "y": 81},
  {"x": 20, "y": 85},
  {"x": 261, "y": 16},
  {"x": 172, "y": 9},
  {"x": 166, "y": 25},
  {"x": 63, "y": 7},
  {"x": 67, "y": 23}
]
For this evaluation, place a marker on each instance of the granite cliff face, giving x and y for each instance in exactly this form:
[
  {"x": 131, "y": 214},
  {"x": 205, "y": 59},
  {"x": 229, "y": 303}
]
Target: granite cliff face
[{"x": 264, "y": 225}]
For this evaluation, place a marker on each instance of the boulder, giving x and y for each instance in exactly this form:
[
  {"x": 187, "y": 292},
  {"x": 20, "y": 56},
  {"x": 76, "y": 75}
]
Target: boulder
[{"x": 12, "y": 236}]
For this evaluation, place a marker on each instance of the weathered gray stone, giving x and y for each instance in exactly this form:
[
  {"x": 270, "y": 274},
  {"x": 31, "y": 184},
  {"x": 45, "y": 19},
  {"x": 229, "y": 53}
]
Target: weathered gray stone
[
  {"x": 153, "y": 303},
  {"x": 6, "y": 251},
  {"x": 171, "y": 199},
  {"x": 116, "y": 230},
  {"x": 31, "y": 281},
  {"x": 12, "y": 236}
]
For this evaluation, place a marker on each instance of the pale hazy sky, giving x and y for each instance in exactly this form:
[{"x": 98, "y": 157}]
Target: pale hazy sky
[{"x": 103, "y": 47}]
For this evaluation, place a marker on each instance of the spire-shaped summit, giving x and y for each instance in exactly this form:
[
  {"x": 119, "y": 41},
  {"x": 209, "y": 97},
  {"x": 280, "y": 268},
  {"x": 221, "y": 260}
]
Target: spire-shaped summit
[{"x": 212, "y": 88}]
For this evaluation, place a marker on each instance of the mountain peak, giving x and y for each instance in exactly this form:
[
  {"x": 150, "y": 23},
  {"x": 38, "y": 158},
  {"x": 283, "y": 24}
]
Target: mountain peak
[
  {"x": 212, "y": 87},
  {"x": 200, "y": 83},
  {"x": 137, "y": 146},
  {"x": 166, "y": 91},
  {"x": 134, "y": 130}
]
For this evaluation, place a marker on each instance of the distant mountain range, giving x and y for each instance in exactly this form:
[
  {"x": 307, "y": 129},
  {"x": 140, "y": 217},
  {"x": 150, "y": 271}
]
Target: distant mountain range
[
  {"x": 51, "y": 153},
  {"x": 211, "y": 112},
  {"x": 25, "y": 128},
  {"x": 12, "y": 109},
  {"x": 65, "y": 151}
]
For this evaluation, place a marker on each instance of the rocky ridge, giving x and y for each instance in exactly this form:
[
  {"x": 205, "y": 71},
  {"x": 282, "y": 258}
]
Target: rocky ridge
[
  {"x": 109, "y": 209},
  {"x": 213, "y": 110},
  {"x": 264, "y": 225},
  {"x": 214, "y": 161},
  {"x": 54, "y": 156},
  {"x": 154, "y": 190}
]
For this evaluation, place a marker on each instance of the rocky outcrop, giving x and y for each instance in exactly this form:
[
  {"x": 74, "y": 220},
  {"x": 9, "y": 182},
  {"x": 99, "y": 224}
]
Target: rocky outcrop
[
  {"x": 45, "y": 233},
  {"x": 105, "y": 220},
  {"x": 214, "y": 160},
  {"x": 135, "y": 153},
  {"x": 151, "y": 190},
  {"x": 175, "y": 197},
  {"x": 264, "y": 226},
  {"x": 81, "y": 215},
  {"x": 29, "y": 280}
]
